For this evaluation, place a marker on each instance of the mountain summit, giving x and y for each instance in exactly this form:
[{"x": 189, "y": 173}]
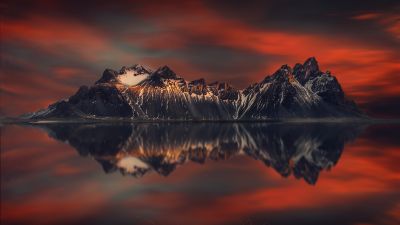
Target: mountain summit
[{"x": 138, "y": 92}]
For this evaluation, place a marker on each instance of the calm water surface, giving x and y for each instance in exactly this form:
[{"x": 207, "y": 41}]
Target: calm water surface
[{"x": 200, "y": 173}]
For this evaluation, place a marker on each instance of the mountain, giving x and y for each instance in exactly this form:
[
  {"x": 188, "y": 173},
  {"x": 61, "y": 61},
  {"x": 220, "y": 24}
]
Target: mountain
[
  {"x": 138, "y": 92},
  {"x": 295, "y": 149}
]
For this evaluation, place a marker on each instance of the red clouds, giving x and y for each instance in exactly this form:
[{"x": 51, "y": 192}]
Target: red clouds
[
  {"x": 356, "y": 63},
  {"x": 57, "y": 37},
  {"x": 65, "y": 187},
  {"x": 391, "y": 21},
  {"x": 75, "y": 49}
]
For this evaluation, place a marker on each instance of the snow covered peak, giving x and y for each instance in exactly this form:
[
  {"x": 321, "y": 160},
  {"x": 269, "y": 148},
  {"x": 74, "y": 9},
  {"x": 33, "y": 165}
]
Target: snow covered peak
[
  {"x": 127, "y": 75},
  {"x": 133, "y": 75}
]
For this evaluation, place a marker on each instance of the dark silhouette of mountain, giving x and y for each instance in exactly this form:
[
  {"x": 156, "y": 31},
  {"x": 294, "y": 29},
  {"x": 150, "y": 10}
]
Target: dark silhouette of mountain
[
  {"x": 138, "y": 92},
  {"x": 301, "y": 150}
]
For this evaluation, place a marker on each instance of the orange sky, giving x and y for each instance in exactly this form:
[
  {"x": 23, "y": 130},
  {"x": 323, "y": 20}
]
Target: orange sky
[
  {"x": 364, "y": 182},
  {"x": 50, "y": 48}
]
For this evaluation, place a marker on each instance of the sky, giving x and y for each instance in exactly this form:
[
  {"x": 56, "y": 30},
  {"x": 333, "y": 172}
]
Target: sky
[{"x": 50, "y": 48}]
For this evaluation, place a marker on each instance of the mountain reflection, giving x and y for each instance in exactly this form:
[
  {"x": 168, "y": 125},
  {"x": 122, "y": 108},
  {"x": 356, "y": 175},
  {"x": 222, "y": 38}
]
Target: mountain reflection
[{"x": 302, "y": 150}]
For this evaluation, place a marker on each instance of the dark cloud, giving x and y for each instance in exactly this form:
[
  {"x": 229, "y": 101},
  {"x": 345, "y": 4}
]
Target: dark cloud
[
  {"x": 382, "y": 136},
  {"x": 333, "y": 18},
  {"x": 239, "y": 67},
  {"x": 382, "y": 107},
  {"x": 231, "y": 67},
  {"x": 24, "y": 61},
  {"x": 365, "y": 210},
  {"x": 72, "y": 42},
  {"x": 379, "y": 98}
]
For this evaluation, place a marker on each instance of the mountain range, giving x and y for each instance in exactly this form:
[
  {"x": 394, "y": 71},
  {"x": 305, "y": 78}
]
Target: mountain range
[
  {"x": 138, "y": 92},
  {"x": 137, "y": 149}
]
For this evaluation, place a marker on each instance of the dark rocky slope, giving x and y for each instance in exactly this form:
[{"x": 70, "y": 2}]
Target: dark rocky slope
[{"x": 139, "y": 93}]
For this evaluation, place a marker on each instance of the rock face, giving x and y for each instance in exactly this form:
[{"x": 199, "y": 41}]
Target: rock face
[
  {"x": 139, "y": 93},
  {"x": 299, "y": 150}
]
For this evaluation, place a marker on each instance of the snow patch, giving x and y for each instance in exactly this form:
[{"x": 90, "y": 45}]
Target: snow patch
[
  {"x": 131, "y": 77},
  {"x": 130, "y": 164}
]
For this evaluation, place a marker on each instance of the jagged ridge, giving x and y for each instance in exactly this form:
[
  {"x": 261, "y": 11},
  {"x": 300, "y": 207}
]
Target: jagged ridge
[{"x": 138, "y": 92}]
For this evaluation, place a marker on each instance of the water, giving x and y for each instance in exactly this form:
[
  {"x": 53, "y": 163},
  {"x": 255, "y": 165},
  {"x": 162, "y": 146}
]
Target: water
[{"x": 200, "y": 173}]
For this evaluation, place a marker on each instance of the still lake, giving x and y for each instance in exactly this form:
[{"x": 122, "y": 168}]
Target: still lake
[{"x": 200, "y": 173}]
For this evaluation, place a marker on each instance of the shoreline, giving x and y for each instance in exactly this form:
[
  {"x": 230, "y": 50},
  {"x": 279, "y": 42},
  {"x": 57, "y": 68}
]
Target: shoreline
[{"x": 367, "y": 120}]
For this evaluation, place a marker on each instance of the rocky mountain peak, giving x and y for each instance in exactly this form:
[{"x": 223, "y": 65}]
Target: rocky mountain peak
[
  {"x": 307, "y": 71},
  {"x": 311, "y": 65},
  {"x": 285, "y": 73},
  {"x": 303, "y": 91},
  {"x": 285, "y": 70},
  {"x": 137, "y": 68},
  {"x": 165, "y": 72},
  {"x": 298, "y": 67},
  {"x": 109, "y": 75},
  {"x": 221, "y": 85},
  {"x": 198, "y": 86},
  {"x": 200, "y": 81}
]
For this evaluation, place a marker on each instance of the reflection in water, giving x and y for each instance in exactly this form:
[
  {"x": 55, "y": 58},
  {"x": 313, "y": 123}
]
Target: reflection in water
[
  {"x": 44, "y": 181},
  {"x": 137, "y": 149}
]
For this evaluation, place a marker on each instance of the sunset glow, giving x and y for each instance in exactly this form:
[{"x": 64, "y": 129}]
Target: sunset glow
[{"x": 50, "y": 48}]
